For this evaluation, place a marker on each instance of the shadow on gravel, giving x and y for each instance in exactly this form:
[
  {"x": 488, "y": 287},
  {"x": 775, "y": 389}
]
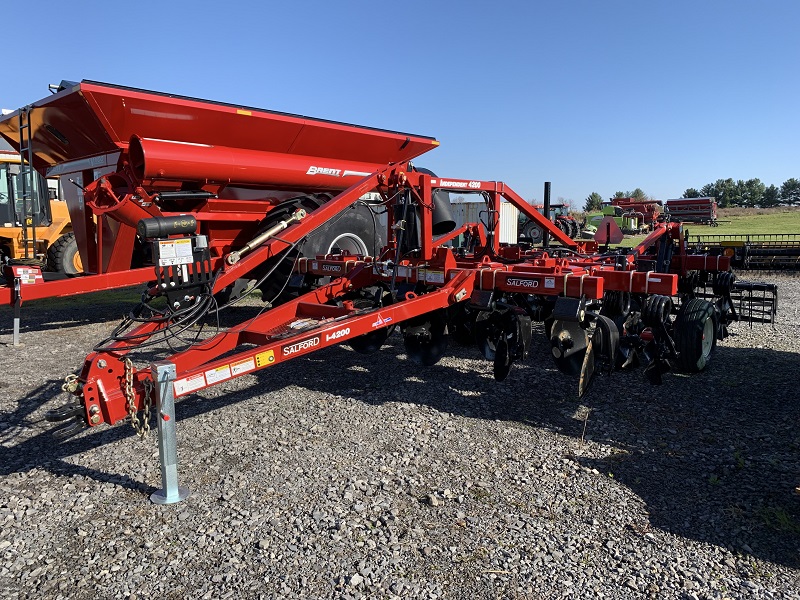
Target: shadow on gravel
[
  {"x": 44, "y": 450},
  {"x": 715, "y": 456},
  {"x": 73, "y": 311}
]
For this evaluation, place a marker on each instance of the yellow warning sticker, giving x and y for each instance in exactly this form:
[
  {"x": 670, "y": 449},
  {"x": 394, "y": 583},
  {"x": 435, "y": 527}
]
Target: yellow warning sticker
[{"x": 264, "y": 359}]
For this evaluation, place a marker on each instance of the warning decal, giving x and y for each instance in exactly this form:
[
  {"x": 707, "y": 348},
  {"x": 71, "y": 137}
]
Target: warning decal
[
  {"x": 219, "y": 374},
  {"x": 189, "y": 384},
  {"x": 243, "y": 366}
]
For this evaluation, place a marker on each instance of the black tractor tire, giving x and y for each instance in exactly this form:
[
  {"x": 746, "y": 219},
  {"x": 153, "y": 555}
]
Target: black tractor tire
[
  {"x": 533, "y": 232},
  {"x": 695, "y": 335},
  {"x": 63, "y": 256},
  {"x": 574, "y": 229}
]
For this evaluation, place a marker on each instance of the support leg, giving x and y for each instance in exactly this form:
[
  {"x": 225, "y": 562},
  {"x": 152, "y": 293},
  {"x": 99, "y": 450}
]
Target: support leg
[
  {"x": 17, "y": 309},
  {"x": 170, "y": 492}
]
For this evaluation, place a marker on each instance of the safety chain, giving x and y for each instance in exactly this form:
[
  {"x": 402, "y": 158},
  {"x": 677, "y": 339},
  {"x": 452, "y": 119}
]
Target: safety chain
[
  {"x": 148, "y": 395},
  {"x": 141, "y": 427}
]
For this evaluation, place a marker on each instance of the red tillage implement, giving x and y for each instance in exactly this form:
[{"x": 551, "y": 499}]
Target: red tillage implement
[{"x": 210, "y": 194}]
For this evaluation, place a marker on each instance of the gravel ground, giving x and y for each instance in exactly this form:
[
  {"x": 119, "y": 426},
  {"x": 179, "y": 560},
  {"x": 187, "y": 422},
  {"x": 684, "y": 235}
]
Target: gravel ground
[{"x": 348, "y": 476}]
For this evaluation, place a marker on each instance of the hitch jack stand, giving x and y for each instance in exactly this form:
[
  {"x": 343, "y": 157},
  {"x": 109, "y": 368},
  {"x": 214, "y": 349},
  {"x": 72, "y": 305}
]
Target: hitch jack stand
[
  {"x": 170, "y": 493},
  {"x": 17, "y": 310}
]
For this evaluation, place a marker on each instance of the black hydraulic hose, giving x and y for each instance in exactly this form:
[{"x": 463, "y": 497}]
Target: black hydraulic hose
[
  {"x": 400, "y": 238},
  {"x": 198, "y": 311}
]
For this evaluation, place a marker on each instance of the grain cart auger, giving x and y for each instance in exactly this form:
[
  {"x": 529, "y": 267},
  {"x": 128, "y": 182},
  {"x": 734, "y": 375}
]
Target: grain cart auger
[{"x": 212, "y": 194}]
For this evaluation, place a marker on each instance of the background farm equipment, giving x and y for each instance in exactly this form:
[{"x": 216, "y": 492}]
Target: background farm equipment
[
  {"x": 762, "y": 251},
  {"x": 648, "y": 211},
  {"x": 629, "y": 220},
  {"x": 532, "y": 232},
  {"x": 702, "y": 211},
  {"x": 210, "y": 194},
  {"x": 34, "y": 222}
]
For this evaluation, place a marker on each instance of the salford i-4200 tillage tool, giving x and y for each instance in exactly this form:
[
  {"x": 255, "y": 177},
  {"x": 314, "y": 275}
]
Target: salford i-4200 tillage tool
[{"x": 211, "y": 194}]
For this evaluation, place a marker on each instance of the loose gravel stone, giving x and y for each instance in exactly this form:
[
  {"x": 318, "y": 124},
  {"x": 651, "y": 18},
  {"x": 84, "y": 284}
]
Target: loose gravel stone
[{"x": 340, "y": 475}]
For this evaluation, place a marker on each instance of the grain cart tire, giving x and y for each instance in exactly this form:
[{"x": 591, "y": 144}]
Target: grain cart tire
[
  {"x": 354, "y": 230},
  {"x": 63, "y": 256},
  {"x": 696, "y": 335}
]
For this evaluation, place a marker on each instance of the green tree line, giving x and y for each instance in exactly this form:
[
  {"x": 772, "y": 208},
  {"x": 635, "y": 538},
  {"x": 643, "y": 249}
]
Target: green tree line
[{"x": 750, "y": 193}]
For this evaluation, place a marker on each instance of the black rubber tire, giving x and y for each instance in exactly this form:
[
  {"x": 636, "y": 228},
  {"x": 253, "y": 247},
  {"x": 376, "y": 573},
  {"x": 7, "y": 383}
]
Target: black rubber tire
[
  {"x": 354, "y": 227},
  {"x": 62, "y": 255},
  {"x": 533, "y": 232},
  {"x": 355, "y": 230},
  {"x": 573, "y": 229},
  {"x": 695, "y": 324}
]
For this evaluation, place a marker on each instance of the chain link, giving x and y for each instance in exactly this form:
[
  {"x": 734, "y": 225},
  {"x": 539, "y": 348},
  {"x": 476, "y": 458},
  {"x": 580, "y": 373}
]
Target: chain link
[
  {"x": 148, "y": 393},
  {"x": 70, "y": 384},
  {"x": 141, "y": 427}
]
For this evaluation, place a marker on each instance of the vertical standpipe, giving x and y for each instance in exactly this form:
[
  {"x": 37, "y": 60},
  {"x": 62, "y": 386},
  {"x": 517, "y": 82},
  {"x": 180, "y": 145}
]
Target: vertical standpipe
[{"x": 546, "y": 234}]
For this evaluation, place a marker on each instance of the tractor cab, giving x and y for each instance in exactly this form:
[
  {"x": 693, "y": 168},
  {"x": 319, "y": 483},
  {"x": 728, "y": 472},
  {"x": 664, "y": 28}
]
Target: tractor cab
[{"x": 14, "y": 210}]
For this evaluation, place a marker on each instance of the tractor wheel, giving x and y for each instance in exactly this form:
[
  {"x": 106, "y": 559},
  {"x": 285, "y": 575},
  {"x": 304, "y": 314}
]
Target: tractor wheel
[
  {"x": 63, "y": 255},
  {"x": 533, "y": 232},
  {"x": 574, "y": 230},
  {"x": 696, "y": 335}
]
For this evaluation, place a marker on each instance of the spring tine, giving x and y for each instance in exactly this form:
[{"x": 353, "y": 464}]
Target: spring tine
[{"x": 62, "y": 413}]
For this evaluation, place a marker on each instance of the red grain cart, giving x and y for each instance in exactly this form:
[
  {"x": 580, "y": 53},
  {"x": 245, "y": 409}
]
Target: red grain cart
[{"x": 693, "y": 210}]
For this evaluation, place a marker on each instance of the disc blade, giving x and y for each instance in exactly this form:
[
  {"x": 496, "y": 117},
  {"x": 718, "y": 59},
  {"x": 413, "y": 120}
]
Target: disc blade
[
  {"x": 569, "y": 341},
  {"x": 369, "y": 342},
  {"x": 502, "y": 362},
  {"x": 425, "y": 340}
]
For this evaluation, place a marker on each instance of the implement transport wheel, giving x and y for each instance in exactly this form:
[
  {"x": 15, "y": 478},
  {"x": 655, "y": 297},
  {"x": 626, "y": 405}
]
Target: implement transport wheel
[
  {"x": 354, "y": 230},
  {"x": 695, "y": 335},
  {"x": 63, "y": 256}
]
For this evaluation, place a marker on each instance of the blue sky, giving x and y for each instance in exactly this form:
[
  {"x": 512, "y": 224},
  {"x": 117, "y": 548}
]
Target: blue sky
[{"x": 593, "y": 96}]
